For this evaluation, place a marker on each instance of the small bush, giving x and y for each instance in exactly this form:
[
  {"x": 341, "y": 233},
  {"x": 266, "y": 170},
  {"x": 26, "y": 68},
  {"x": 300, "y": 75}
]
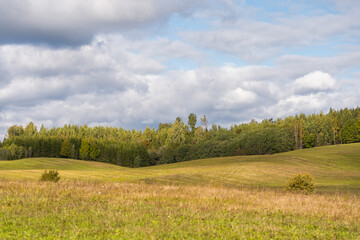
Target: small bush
[
  {"x": 50, "y": 175},
  {"x": 301, "y": 183}
]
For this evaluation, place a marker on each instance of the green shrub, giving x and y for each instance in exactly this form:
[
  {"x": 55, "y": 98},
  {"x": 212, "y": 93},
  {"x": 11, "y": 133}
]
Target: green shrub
[
  {"x": 50, "y": 175},
  {"x": 301, "y": 183}
]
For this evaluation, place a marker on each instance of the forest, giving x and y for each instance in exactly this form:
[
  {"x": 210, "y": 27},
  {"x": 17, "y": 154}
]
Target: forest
[{"x": 181, "y": 140}]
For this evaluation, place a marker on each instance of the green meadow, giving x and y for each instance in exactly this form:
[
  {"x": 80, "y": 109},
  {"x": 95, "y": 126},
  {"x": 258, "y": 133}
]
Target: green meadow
[{"x": 238, "y": 197}]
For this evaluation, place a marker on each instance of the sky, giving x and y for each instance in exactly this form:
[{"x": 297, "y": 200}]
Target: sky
[{"x": 136, "y": 63}]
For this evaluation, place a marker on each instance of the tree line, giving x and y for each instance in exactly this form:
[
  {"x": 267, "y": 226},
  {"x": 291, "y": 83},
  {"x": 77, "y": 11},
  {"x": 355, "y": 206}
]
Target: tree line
[{"x": 180, "y": 141}]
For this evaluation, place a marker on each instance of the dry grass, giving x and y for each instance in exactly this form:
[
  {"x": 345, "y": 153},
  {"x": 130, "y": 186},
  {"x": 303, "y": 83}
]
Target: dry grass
[
  {"x": 90, "y": 210},
  {"x": 220, "y": 198}
]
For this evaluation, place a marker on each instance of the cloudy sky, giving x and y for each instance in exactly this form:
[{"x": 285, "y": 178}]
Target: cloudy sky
[{"x": 133, "y": 63}]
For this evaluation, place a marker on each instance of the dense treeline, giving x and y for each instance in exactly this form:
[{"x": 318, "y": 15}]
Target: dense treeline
[{"x": 175, "y": 142}]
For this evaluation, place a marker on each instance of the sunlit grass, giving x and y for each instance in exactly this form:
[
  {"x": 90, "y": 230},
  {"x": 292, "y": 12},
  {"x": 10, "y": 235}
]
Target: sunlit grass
[
  {"x": 219, "y": 198},
  {"x": 335, "y": 168},
  {"x": 95, "y": 210}
]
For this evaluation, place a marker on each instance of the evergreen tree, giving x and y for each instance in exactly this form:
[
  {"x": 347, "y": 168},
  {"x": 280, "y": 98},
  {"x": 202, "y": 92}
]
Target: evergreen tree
[
  {"x": 94, "y": 151},
  {"x": 173, "y": 142},
  {"x": 66, "y": 148},
  {"x": 73, "y": 153},
  {"x": 30, "y": 129},
  {"x": 84, "y": 149},
  {"x": 192, "y": 122},
  {"x": 350, "y": 133}
]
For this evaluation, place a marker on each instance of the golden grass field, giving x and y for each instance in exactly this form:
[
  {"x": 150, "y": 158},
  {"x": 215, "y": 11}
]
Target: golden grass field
[{"x": 221, "y": 198}]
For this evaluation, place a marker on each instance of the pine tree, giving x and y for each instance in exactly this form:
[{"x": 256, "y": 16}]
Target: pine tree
[
  {"x": 66, "y": 149},
  {"x": 84, "y": 149}
]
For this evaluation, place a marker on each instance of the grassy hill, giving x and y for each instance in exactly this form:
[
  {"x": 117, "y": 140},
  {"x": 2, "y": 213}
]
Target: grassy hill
[
  {"x": 217, "y": 198},
  {"x": 333, "y": 167}
]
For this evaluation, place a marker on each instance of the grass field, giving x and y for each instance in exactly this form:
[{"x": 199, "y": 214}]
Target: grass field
[
  {"x": 335, "y": 168},
  {"x": 220, "y": 198}
]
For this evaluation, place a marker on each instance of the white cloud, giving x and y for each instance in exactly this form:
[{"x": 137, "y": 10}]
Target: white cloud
[
  {"x": 255, "y": 41},
  {"x": 29, "y": 90},
  {"x": 120, "y": 80},
  {"x": 226, "y": 95},
  {"x": 295, "y": 104},
  {"x": 34, "y": 74},
  {"x": 314, "y": 82},
  {"x": 77, "y": 21},
  {"x": 109, "y": 83},
  {"x": 235, "y": 99}
]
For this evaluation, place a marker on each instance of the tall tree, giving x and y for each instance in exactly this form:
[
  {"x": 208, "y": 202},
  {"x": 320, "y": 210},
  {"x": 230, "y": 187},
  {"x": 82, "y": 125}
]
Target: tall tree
[
  {"x": 351, "y": 131},
  {"x": 192, "y": 122},
  {"x": 30, "y": 129},
  {"x": 176, "y": 134},
  {"x": 204, "y": 122},
  {"x": 94, "y": 151},
  {"x": 148, "y": 138},
  {"x": 84, "y": 149},
  {"x": 65, "y": 149},
  {"x": 15, "y": 130}
]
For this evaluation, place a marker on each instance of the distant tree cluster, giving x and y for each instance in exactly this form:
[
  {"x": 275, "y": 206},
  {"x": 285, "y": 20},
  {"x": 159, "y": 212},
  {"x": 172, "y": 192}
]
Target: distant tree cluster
[{"x": 176, "y": 142}]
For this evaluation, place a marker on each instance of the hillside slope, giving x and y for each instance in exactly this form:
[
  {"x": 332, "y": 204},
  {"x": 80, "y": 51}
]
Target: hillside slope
[{"x": 333, "y": 167}]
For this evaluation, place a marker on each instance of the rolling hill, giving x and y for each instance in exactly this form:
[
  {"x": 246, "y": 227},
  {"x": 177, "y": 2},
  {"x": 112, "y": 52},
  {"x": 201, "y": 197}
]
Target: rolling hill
[
  {"x": 335, "y": 168},
  {"x": 219, "y": 198}
]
